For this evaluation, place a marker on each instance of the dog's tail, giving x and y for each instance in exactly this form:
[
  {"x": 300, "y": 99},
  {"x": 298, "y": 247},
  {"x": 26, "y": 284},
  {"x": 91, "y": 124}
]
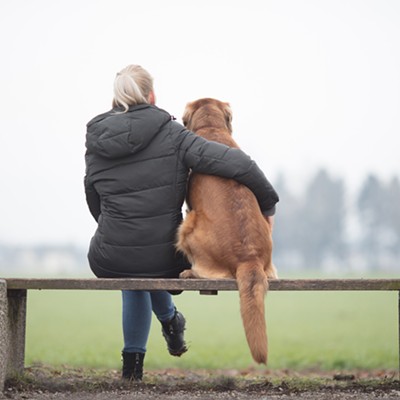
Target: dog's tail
[{"x": 253, "y": 285}]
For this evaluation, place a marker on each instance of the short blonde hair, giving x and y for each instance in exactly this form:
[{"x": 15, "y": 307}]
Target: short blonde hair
[{"x": 132, "y": 86}]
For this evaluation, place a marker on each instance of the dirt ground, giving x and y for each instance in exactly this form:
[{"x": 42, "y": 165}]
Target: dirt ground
[{"x": 41, "y": 382}]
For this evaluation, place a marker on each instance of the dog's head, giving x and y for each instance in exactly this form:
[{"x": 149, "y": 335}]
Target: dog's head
[{"x": 207, "y": 112}]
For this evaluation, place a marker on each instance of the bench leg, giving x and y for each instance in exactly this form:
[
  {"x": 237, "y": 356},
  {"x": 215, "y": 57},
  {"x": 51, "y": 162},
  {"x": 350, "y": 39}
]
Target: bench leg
[
  {"x": 3, "y": 333},
  {"x": 16, "y": 331}
]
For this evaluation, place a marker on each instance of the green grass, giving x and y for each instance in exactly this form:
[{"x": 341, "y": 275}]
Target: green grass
[{"x": 327, "y": 330}]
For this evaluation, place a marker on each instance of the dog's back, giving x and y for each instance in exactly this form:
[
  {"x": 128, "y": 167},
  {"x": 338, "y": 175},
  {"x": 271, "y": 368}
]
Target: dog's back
[
  {"x": 226, "y": 236},
  {"x": 232, "y": 227}
]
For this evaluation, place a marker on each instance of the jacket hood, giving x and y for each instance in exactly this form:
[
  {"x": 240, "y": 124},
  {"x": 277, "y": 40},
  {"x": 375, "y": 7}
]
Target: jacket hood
[{"x": 115, "y": 135}]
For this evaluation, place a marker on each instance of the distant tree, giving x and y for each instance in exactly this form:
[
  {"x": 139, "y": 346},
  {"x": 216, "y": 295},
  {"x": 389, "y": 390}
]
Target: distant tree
[
  {"x": 373, "y": 215},
  {"x": 286, "y": 230},
  {"x": 322, "y": 220},
  {"x": 310, "y": 226},
  {"x": 371, "y": 202},
  {"x": 392, "y": 215}
]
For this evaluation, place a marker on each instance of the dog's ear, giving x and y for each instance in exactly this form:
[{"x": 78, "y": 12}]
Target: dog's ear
[
  {"x": 187, "y": 114},
  {"x": 228, "y": 116}
]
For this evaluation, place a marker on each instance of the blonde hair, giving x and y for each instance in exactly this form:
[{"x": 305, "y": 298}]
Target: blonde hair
[{"x": 132, "y": 86}]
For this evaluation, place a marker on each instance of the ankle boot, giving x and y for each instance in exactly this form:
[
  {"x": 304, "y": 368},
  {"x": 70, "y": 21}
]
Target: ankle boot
[
  {"x": 132, "y": 366},
  {"x": 173, "y": 333}
]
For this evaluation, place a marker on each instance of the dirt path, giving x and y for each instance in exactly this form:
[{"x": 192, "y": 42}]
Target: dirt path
[
  {"x": 206, "y": 396},
  {"x": 46, "y": 383}
]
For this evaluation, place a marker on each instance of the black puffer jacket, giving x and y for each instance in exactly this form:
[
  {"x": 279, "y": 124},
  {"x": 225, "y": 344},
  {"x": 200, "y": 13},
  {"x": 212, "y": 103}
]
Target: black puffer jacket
[{"x": 137, "y": 165}]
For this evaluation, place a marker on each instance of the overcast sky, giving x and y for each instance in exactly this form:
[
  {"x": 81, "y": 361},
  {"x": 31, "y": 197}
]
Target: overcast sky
[{"x": 311, "y": 83}]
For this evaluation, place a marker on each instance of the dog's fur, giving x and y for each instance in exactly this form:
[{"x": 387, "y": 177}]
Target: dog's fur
[{"x": 225, "y": 234}]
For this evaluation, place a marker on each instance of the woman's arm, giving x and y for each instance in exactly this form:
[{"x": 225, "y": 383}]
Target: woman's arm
[
  {"x": 92, "y": 199},
  {"x": 217, "y": 159}
]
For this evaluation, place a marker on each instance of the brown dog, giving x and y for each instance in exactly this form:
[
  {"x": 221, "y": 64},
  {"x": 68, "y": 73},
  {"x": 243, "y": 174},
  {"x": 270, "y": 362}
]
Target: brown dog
[{"x": 225, "y": 234}]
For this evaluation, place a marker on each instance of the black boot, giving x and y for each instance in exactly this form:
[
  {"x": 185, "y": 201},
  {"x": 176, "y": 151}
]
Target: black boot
[
  {"x": 173, "y": 334},
  {"x": 132, "y": 367}
]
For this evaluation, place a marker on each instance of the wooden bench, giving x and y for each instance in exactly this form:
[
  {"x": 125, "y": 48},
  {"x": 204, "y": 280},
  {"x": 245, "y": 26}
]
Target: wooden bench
[{"x": 13, "y": 296}]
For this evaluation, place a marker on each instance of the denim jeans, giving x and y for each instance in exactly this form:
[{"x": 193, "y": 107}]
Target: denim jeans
[{"x": 137, "y": 307}]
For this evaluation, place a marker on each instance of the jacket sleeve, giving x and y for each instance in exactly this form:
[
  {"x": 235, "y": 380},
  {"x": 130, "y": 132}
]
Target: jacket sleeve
[
  {"x": 92, "y": 199},
  {"x": 213, "y": 158}
]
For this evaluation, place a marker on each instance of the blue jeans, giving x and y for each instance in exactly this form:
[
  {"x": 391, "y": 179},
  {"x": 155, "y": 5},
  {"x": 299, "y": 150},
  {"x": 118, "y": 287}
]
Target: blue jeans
[{"x": 137, "y": 307}]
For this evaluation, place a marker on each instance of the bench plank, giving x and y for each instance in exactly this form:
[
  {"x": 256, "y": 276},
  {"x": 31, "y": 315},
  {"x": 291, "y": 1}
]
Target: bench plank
[
  {"x": 3, "y": 333},
  {"x": 200, "y": 284}
]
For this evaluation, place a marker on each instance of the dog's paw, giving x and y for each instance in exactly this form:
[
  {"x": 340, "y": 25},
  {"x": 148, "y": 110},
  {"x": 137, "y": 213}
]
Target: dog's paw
[{"x": 187, "y": 274}]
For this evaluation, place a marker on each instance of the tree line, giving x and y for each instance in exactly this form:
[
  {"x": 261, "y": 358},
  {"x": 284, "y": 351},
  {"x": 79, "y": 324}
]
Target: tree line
[{"x": 323, "y": 229}]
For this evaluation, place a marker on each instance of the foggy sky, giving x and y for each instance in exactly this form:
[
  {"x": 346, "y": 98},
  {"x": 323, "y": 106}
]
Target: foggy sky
[{"x": 311, "y": 83}]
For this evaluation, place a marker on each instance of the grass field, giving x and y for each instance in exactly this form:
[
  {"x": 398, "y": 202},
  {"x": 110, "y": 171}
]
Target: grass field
[{"x": 326, "y": 330}]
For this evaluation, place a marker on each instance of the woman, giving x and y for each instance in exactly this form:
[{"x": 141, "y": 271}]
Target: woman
[{"x": 137, "y": 164}]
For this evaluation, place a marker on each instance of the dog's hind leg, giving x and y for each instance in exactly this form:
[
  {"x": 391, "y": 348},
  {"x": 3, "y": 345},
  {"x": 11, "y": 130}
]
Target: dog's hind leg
[
  {"x": 185, "y": 230},
  {"x": 188, "y": 274},
  {"x": 206, "y": 271},
  {"x": 271, "y": 272}
]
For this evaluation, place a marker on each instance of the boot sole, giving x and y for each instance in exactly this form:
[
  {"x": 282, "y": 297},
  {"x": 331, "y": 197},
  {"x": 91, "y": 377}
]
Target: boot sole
[{"x": 179, "y": 352}]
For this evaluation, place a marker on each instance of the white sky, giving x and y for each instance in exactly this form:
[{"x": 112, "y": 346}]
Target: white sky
[{"x": 311, "y": 83}]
